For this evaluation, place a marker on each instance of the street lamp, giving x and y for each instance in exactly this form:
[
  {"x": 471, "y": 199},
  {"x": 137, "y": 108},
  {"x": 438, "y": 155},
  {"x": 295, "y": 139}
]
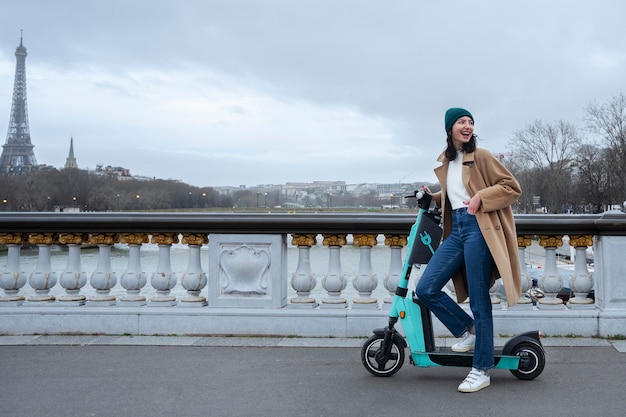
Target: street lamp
[
  {"x": 265, "y": 200},
  {"x": 118, "y": 202},
  {"x": 330, "y": 200}
]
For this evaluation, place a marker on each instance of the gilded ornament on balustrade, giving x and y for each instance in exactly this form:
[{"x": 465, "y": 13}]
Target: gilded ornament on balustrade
[
  {"x": 198, "y": 239},
  {"x": 304, "y": 239},
  {"x": 164, "y": 238},
  {"x": 43, "y": 238},
  {"x": 73, "y": 238},
  {"x": 134, "y": 238},
  {"x": 334, "y": 240},
  {"x": 551, "y": 241},
  {"x": 524, "y": 241},
  {"x": 364, "y": 240},
  {"x": 104, "y": 238},
  {"x": 579, "y": 241},
  {"x": 12, "y": 238},
  {"x": 396, "y": 240}
]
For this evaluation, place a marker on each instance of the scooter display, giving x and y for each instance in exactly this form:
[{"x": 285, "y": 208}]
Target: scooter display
[{"x": 383, "y": 353}]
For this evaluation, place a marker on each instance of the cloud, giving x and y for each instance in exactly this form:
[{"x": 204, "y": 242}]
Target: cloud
[{"x": 253, "y": 92}]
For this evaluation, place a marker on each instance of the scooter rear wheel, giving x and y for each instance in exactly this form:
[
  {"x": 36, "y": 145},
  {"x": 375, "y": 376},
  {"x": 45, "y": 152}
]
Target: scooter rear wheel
[
  {"x": 532, "y": 360},
  {"x": 375, "y": 360}
]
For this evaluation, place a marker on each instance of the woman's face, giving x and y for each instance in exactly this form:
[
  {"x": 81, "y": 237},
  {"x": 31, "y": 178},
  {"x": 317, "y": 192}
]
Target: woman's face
[{"x": 462, "y": 131}]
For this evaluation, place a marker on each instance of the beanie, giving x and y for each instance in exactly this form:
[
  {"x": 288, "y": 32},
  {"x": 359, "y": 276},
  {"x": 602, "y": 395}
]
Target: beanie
[{"x": 454, "y": 114}]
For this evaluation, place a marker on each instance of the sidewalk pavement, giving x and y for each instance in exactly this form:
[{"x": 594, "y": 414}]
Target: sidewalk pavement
[
  {"x": 258, "y": 341},
  {"x": 154, "y": 376}
]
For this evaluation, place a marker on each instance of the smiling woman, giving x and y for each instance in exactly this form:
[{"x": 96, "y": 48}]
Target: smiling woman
[{"x": 479, "y": 244}]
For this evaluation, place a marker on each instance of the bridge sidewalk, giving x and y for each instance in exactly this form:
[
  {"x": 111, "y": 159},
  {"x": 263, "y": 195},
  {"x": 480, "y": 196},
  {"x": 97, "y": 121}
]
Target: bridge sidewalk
[
  {"x": 153, "y": 376},
  {"x": 254, "y": 341}
]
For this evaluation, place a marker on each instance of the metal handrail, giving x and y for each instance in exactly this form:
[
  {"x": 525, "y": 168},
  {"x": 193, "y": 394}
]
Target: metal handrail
[{"x": 282, "y": 223}]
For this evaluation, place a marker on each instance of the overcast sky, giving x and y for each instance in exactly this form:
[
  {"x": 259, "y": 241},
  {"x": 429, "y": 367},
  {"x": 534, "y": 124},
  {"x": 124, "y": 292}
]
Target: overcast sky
[{"x": 247, "y": 92}]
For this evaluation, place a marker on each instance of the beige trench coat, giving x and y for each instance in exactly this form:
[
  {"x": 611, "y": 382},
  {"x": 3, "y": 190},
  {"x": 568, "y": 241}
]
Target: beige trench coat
[{"x": 482, "y": 173}]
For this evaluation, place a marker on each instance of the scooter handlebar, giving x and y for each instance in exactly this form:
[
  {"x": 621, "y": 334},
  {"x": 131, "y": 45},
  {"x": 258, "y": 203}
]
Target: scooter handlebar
[{"x": 419, "y": 194}]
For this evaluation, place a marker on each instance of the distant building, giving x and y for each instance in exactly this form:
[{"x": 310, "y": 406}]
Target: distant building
[
  {"x": 70, "y": 162},
  {"x": 116, "y": 172}
]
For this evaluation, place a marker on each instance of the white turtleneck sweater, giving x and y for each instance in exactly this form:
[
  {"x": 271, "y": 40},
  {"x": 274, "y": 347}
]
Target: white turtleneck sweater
[{"x": 455, "y": 189}]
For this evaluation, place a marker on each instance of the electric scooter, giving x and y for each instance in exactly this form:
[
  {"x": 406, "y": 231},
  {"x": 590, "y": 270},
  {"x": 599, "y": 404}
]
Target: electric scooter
[{"x": 384, "y": 352}]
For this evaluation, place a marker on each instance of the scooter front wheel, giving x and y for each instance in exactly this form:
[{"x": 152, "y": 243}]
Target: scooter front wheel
[
  {"x": 532, "y": 360},
  {"x": 376, "y": 361}
]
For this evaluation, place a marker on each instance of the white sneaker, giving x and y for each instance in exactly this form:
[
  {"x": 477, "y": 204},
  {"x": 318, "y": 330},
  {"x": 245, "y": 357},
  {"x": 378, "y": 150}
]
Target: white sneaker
[
  {"x": 534, "y": 293},
  {"x": 466, "y": 344},
  {"x": 475, "y": 381}
]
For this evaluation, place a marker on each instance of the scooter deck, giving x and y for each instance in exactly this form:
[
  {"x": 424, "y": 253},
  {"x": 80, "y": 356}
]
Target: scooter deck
[
  {"x": 446, "y": 357},
  {"x": 432, "y": 355}
]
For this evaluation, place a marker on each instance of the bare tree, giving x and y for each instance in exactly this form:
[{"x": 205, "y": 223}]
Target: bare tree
[
  {"x": 595, "y": 166},
  {"x": 548, "y": 149},
  {"x": 609, "y": 121},
  {"x": 548, "y": 145},
  {"x": 525, "y": 174}
]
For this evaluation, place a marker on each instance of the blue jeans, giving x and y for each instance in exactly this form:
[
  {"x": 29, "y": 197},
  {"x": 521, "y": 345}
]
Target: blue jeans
[{"x": 464, "y": 247}]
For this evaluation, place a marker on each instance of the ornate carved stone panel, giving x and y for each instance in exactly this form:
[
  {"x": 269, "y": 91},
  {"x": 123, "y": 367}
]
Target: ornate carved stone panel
[{"x": 247, "y": 270}]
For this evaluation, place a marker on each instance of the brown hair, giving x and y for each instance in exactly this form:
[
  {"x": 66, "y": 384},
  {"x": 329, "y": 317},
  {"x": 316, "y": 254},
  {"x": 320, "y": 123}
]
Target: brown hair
[{"x": 468, "y": 147}]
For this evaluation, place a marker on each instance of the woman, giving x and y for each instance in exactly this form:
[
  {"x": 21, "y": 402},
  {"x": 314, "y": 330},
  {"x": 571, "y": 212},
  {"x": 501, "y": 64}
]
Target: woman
[{"x": 479, "y": 244}]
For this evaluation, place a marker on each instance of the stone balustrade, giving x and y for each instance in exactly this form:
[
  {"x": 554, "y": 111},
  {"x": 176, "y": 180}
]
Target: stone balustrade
[{"x": 249, "y": 287}]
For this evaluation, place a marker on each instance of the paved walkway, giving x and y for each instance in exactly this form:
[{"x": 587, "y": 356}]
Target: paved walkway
[
  {"x": 88, "y": 376},
  {"x": 253, "y": 341}
]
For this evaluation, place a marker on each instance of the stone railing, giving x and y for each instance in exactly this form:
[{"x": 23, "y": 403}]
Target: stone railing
[{"x": 249, "y": 287}]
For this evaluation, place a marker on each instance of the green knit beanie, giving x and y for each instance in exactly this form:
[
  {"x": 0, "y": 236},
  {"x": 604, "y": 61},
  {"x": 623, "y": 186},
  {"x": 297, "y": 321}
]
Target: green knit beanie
[{"x": 454, "y": 114}]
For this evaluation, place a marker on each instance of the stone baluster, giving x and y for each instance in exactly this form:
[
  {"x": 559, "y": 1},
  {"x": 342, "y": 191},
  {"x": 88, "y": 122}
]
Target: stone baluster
[
  {"x": 395, "y": 243},
  {"x": 303, "y": 280},
  {"x": 133, "y": 279},
  {"x": 11, "y": 278},
  {"x": 42, "y": 279},
  {"x": 73, "y": 278},
  {"x": 495, "y": 293},
  {"x": 524, "y": 242},
  {"x": 551, "y": 280},
  {"x": 194, "y": 279},
  {"x": 334, "y": 282},
  {"x": 365, "y": 280},
  {"x": 164, "y": 279},
  {"x": 103, "y": 279},
  {"x": 581, "y": 281}
]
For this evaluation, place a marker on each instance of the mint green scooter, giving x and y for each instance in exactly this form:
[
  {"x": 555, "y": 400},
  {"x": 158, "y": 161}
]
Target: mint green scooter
[{"x": 384, "y": 352}]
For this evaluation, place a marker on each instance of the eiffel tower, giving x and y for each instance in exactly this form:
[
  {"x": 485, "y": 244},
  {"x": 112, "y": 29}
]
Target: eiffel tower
[{"x": 17, "y": 153}]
